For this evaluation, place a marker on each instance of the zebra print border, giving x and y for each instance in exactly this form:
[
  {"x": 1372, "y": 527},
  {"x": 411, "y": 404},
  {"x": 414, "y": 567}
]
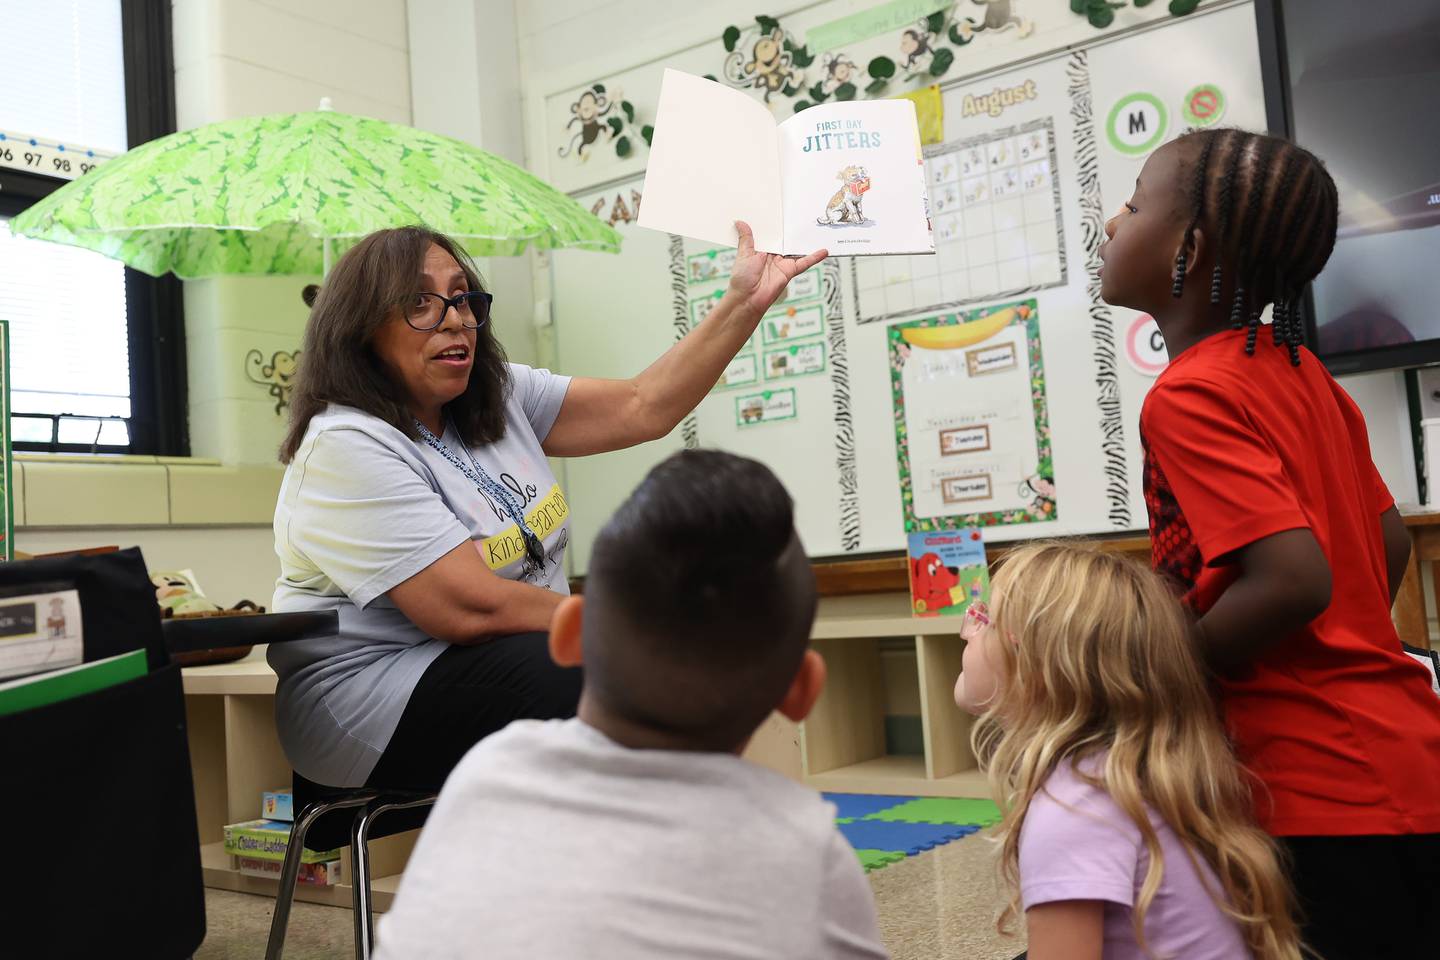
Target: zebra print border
[
  {"x": 1102, "y": 323},
  {"x": 680, "y": 302},
  {"x": 849, "y": 512}
]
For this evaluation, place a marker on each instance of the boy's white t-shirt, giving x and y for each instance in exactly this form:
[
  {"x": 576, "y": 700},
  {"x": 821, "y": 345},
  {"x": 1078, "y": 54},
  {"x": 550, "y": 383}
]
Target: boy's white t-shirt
[{"x": 550, "y": 840}]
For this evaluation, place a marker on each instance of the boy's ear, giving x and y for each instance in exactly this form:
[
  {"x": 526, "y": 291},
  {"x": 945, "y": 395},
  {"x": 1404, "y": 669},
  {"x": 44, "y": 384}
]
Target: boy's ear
[
  {"x": 565, "y": 632},
  {"x": 805, "y": 689}
]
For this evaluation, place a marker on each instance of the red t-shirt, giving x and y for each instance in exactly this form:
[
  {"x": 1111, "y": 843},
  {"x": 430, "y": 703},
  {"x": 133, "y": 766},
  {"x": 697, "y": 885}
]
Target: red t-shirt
[{"x": 1340, "y": 726}]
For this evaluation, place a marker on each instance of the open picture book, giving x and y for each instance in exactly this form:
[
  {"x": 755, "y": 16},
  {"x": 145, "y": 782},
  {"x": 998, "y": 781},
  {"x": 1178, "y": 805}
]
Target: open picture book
[{"x": 849, "y": 177}]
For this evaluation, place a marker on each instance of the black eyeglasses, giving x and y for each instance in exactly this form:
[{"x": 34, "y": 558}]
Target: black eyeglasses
[{"x": 426, "y": 311}]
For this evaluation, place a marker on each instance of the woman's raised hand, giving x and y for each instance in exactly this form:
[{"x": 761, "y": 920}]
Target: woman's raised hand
[{"x": 758, "y": 278}]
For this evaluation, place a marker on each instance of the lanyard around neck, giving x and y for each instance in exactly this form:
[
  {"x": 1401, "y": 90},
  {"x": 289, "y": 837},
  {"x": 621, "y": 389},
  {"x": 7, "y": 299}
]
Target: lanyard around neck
[{"x": 486, "y": 484}]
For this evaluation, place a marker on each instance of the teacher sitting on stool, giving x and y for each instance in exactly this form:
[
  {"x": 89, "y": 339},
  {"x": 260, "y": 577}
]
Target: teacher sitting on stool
[{"x": 419, "y": 504}]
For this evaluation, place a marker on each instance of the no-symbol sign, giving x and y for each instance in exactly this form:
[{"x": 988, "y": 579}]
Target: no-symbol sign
[
  {"x": 1145, "y": 347},
  {"x": 1204, "y": 105}
]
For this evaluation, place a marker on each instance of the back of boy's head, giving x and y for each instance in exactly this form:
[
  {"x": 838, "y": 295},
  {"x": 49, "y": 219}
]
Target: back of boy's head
[
  {"x": 699, "y": 601},
  {"x": 1269, "y": 209}
]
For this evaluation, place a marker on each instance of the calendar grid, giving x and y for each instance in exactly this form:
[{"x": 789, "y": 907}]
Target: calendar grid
[{"x": 995, "y": 207}]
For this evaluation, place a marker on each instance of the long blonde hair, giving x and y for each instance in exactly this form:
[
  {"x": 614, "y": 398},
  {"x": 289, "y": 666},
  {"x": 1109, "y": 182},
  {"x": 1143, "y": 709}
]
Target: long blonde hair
[{"x": 1096, "y": 656}]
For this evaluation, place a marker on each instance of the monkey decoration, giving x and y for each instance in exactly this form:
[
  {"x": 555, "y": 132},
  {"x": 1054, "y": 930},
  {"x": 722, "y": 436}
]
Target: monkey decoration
[
  {"x": 589, "y": 110},
  {"x": 839, "y": 70},
  {"x": 278, "y": 375},
  {"x": 915, "y": 45},
  {"x": 769, "y": 67},
  {"x": 998, "y": 18}
]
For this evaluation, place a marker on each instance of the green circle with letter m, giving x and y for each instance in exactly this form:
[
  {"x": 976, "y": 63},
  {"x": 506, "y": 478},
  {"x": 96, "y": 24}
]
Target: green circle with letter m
[{"x": 1136, "y": 124}]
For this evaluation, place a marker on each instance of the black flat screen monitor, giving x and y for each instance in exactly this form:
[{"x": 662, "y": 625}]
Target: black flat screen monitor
[{"x": 1359, "y": 84}]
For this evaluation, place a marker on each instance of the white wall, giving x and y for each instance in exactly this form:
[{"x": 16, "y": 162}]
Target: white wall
[
  {"x": 231, "y": 563},
  {"x": 465, "y": 83},
  {"x": 237, "y": 58},
  {"x": 1381, "y": 397},
  {"x": 242, "y": 58},
  {"x": 563, "y": 44}
]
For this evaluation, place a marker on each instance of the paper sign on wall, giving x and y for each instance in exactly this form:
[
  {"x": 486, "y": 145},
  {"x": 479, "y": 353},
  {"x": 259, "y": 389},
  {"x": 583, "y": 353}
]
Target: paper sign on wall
[
  {"x": 793, "y": 323},
  {"x": 795, "y": 361},
  {"x": 742, "y": 370},
  {"x": 767, "y": 407}
]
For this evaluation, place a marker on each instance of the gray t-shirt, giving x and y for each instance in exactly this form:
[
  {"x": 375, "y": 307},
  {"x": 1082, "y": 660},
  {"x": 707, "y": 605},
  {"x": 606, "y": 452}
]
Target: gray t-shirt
[
  {"x": 363, "y": 508},
  {"x": 550, "y": 841}
]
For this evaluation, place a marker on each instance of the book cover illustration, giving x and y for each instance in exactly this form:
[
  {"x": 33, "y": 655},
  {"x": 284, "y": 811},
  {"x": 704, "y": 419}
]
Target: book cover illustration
[
  {"x": 845, "y": 206},
  {"x": 323, "y": 874},
  {"x": 268, "y": 840},
  {"x": 847, "y": 176},
  {"x": 948, "y": 572}
]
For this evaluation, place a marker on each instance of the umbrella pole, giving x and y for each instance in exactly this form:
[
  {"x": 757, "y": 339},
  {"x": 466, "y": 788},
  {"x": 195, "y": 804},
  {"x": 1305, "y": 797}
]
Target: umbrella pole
[{"x": 325, "y": 246}]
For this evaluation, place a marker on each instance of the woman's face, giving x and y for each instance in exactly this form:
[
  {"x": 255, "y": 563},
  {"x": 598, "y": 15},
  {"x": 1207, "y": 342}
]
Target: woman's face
[{"x": 433, "y": 366}]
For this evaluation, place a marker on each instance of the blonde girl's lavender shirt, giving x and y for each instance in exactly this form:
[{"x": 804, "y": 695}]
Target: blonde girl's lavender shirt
[{"x": 1077, "y": 844}]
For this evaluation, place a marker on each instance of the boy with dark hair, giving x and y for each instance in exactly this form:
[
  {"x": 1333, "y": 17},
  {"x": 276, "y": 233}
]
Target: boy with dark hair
[{"x": 636, "y": 830}]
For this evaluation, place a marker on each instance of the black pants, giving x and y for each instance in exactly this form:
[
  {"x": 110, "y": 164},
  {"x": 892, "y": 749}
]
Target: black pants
[
  {"x": 1370, "y": 897},
  {"x": 465, "y": 695}
]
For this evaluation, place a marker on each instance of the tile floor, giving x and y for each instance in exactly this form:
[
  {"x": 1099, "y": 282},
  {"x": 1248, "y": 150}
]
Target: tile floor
[{"x": 939, "y": 905}]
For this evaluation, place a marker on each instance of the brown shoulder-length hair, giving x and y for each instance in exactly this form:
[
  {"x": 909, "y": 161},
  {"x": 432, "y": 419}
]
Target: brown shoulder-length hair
[{"x": 338, "y": 363}]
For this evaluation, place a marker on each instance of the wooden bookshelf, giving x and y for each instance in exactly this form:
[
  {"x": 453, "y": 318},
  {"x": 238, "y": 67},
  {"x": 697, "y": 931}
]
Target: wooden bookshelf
[{"x": 235, "y": 756}]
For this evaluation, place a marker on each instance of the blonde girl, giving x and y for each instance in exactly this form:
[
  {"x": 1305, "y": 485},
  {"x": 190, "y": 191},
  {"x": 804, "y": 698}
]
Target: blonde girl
[{"x": 1127, "y": 829}]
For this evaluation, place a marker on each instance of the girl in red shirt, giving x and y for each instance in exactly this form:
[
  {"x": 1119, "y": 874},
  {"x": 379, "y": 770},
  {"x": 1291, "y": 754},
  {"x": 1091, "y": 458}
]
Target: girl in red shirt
[{"x": 1267, "y": 511}]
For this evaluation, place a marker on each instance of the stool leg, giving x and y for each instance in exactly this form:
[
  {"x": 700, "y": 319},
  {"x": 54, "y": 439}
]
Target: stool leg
[
  {"x": 364, "y": 907},
  {"x": 289, "y": 874},
  {"x": 360, "y": 884},
  {"x": 290, "y": 870}
]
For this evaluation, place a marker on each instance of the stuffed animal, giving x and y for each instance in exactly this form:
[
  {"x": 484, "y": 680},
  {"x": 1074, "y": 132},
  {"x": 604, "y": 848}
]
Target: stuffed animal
[{"x": 177, "y": 594}]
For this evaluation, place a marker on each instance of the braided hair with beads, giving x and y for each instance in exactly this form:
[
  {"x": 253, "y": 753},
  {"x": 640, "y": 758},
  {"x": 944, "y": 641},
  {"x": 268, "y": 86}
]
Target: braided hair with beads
[{"x": 1268, "y": 208}]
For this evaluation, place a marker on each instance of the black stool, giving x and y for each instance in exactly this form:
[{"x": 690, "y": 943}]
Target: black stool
[
  {"x": 329, "y": 817},
  {"x": 332, "y": 817}
]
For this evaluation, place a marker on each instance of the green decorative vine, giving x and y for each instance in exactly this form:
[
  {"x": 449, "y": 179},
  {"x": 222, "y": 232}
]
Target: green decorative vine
[
  {"x": 622, "y": 128},
  {"x": 787, "y": 79},
  {"x": 941, "y": 24},
  {"x": 1101, "y": 13}
]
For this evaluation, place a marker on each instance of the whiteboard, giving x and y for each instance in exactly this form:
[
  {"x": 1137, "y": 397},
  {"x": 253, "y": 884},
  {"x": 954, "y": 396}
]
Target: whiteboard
[{"x": 1052, "y": 172}]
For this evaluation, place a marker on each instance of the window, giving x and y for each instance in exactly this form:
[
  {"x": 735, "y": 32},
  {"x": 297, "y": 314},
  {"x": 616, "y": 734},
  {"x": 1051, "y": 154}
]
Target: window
[
  {"x": 69, "y": 351},
  {"x": 96, "y": 349}
]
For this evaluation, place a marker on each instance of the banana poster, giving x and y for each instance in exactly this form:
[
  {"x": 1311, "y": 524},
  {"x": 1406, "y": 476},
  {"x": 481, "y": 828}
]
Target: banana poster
[{"x": 972, "y": 425}]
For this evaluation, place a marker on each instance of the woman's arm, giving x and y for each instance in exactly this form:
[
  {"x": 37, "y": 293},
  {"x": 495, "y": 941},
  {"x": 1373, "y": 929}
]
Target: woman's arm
[
  {"x": 603, "y": 415},
  {"x": 1066, "y": 930},
  {"x": 460, "y": 600}
]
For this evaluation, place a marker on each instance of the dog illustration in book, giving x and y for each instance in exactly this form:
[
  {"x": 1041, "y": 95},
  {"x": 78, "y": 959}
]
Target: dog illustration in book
[
  {"x": 931, "y": 583},
  {"x": 844, "y": 206}
]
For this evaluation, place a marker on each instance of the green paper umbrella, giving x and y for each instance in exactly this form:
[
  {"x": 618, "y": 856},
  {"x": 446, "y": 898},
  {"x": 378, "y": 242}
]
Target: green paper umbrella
[{"x": 284, "y": 194}]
